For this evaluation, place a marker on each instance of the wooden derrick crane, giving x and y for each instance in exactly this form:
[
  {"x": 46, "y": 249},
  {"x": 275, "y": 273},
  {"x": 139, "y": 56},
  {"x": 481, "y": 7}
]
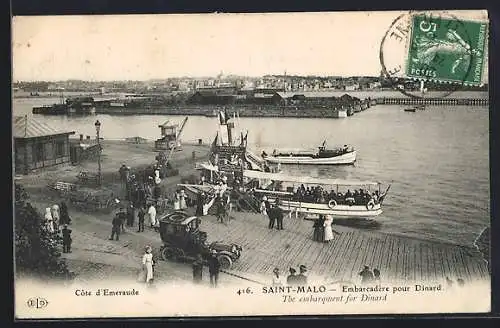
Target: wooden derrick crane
[{"x": 165, "y": 156}]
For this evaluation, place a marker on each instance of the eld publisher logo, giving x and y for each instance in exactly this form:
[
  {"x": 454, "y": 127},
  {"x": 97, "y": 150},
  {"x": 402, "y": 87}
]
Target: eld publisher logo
[{"x": 37, "y": 303}]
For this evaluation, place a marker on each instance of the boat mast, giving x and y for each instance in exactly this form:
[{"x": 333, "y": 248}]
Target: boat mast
[
  {"x": 61, "y": 95},
  {"x": 229, "y": 129},
  {"x": 284, "y": 82}
]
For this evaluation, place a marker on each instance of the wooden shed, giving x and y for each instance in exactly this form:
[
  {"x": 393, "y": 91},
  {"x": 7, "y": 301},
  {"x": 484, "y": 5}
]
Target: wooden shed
[{"x": 38, "y": 145}]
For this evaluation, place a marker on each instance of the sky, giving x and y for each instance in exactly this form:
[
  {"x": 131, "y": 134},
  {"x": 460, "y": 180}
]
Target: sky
[{"x": 142, "y": 47}]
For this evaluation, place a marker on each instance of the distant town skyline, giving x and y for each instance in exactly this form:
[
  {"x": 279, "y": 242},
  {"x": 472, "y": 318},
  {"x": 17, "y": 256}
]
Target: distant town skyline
[
  {"x": 201, "y": 78},
  {"x": 144, "y": 47}
]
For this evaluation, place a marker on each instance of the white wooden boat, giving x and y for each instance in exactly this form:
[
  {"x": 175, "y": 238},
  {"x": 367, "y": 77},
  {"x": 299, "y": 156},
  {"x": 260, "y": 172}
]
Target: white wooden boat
[
  {"x": 337, "y": 206},
  {"x": 285, "y": 188},
  {"x": 337, "y": 156}
]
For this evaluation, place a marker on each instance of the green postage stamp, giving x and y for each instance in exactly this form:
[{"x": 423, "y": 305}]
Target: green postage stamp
[{"x": 447, "y": 50}]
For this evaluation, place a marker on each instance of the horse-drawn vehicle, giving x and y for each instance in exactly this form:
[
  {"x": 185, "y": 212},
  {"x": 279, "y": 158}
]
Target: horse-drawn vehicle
[{"x": 183, "y": 240}]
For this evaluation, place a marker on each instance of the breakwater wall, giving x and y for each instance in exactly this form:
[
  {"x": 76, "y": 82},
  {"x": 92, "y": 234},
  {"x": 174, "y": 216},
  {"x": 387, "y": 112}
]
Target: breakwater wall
[
  {"x": 433, "y": 101},
  {"x": 212, "y": 112},
  {"x": 243, "y": 111}
]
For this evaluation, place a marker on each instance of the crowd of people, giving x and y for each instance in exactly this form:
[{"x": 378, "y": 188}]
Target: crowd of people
[
  {"x": 293, "y": 279},
  {"x": 319, "y": 195},
  {"x": 144, "y": 195},
  {"x": 125, "y": 217},
  {"x": 142, "y": 187},
  {"x": 273, "y": 212},
  {"x": 323, "y": 231},
  {"x": 369, "y": 276}
]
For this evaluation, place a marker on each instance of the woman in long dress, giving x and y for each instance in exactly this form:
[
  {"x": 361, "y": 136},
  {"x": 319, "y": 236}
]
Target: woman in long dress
[
  {"x": 328, "y": 228},
  {"x": 55, "y": 216},
  {"x": 263, "y": 208},
  {"x": 318, "y": 226},
  {"x": 177, "y": 201},
  {"x": 147, "y": 265},
  {"x": 152, "y": 215},
  {"x": 182, "y": 200},
  {"x": 49, "y": 221}
]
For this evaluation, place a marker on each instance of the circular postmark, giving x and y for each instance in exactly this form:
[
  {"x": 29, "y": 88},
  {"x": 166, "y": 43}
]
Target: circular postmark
[{"x": 436, "y": 49}]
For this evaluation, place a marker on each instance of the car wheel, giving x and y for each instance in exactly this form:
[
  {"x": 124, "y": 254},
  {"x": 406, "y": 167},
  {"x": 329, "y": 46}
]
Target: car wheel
[
  {"x": 166, "y": 253},
  {"x": 225, "y": 261},
  {"x": 178, "y": 254}
]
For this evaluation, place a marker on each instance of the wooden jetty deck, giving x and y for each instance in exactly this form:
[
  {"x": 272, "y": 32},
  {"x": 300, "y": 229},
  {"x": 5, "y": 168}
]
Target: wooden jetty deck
[{"x": 398, "y": 258}]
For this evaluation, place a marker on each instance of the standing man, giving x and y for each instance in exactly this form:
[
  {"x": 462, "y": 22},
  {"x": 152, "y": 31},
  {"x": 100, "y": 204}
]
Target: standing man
[
  {"x": 200, "y": 201},
  {"x": 267, "y": 204},
  {"x": 156, "y": 192},
  {"x": 66, "y": 236},
  {"x": 271, "y": 213},
  {"x": 128, "y": 182},
  {"x": 123, "y": 177},
  {"x": 122, "y": 215},
  {"x": 141, "y": 197},
  {"x": 115, "y": 230},
  {"x": 221, "y": 209},
  {"x": 301, "y": 277},
  {"x": 198, "y": 269},
  {"x": 279, "y": 215},
  {"x": 291, "y": 280},
  {"x": 64, "y": 215},
  {"x": 213, "y": 268},
  {"x": 130, "y": 215},
  {"x": 140, "y": 215}
]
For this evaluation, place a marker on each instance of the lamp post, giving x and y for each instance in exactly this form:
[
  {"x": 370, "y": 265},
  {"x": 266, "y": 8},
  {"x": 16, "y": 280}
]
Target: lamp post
[{"x": 98, "y": 129}]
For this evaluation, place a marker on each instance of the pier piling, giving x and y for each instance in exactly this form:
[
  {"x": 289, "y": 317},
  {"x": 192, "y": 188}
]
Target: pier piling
[{"x": 433, "y": 101}]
